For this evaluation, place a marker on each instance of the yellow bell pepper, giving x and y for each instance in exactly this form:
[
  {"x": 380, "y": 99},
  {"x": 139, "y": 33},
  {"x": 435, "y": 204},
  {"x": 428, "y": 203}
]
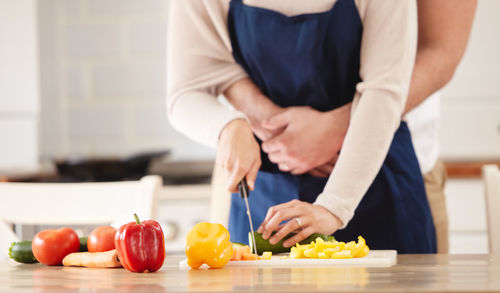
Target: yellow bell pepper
[{"x": 208, "y": 243}]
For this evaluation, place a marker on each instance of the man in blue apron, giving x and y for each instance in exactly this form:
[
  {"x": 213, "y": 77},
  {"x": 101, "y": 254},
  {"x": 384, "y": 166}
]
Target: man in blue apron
[{"x": 313, "y": 60}]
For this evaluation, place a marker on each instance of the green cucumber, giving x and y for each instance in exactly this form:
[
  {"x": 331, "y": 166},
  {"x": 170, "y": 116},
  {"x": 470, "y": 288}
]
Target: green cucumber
[
  {"x": 237, "y": 244},
  {"x": 83, "y": 244},
  {"x": 21, "y": 252},
  {"x": 264, "y": 245}
]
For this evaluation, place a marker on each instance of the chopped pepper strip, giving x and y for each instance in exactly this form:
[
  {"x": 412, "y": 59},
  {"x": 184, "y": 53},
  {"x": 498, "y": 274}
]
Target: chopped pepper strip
[{"x": 330, "y": 249}]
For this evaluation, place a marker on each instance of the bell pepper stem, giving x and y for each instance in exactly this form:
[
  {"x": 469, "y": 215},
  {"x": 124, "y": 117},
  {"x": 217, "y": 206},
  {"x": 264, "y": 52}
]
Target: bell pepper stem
[{"x": 137, "y": 219}]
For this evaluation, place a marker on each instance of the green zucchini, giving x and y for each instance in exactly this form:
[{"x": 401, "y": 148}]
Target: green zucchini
[
  {"x": 21, "y": 252},
  {"x": 264, "y": 245}
]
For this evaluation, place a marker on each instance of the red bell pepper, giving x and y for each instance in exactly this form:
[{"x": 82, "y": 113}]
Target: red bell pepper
[{"x": 140, "y": 246}]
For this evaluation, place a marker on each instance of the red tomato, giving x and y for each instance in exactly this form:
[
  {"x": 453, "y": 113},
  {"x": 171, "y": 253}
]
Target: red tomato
[
  {"x": 51, "y": 246},
  {"x": 101, "y": 239}
]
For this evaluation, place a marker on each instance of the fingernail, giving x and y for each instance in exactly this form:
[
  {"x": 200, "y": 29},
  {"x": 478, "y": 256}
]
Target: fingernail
[
  {"x": 286, "y": 244},
  {"x": 251, "y": 185},
  {"x": 259, "y": 230},
  {"x": 265, "y": 235},
  {"x": 273, "y": 240}
]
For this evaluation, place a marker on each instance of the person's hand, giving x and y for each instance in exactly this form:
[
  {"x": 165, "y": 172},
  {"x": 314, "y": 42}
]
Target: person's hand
[
  {"x": 239, "y": 154},
  {"x": 324, "y": 170},
  {"x": 303, "y": 217},
  {"x": 310, "y": 139},
  {"x": 246, "y": 97},
  {"x": 266, "y": 110}
]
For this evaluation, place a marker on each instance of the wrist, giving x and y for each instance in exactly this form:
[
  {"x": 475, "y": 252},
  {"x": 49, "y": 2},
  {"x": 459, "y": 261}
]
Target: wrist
[
  {"x": 234, "y": 126},
  {"x": 264, "y": 109},
  {"x": 340, "y": 117},
  {"x": 336, "y": 220}
]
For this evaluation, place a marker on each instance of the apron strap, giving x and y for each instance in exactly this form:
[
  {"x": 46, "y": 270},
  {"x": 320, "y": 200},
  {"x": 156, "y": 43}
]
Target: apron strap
[{"x": 237, "y": 1}]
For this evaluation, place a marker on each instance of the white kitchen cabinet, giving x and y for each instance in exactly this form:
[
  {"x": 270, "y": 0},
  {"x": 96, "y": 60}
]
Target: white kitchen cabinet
[
  {"x": 465, "y": 204},
  {"x": 180, "y": 208},
  {"x": 470, "y": 128}
]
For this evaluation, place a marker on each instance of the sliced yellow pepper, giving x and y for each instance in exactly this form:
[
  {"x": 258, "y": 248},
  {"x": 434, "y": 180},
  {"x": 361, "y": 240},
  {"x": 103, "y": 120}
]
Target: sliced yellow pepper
[
  {"x": 208, "y": 243},
  {"x": 330, "y": 249},
  {"x": 267, "y": 255}
]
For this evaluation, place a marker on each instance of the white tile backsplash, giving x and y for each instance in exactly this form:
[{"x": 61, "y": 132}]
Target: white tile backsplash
[
  {"x": 148, "y": 38},
  {"x": 19, "y": 146},
  {"x": 141, "y": 81},
  {"x": 126, "y": 7},
  {"x": 76, "y": 83},
  {"x": 97, "y": 122},
  {"x": 92, "y": 40},
  {"x": 150, "y": 121},
  {"x": 103, "y": 68}
]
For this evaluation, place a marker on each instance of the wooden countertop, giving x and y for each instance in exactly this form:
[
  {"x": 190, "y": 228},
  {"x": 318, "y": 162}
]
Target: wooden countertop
[{"x": 415, "y": 273}]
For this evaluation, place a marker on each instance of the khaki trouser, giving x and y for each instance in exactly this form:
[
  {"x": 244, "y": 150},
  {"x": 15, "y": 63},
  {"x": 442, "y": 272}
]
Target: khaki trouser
[{"x": 434, "y": 187}]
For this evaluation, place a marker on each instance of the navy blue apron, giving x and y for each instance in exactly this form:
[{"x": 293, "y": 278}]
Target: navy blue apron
[{"x": 313, "y": 60}]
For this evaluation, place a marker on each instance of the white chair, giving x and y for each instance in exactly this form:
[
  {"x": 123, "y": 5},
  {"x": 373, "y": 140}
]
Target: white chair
[
  {"x": 491, "y": 179},
  {"x": 99, "y": 203}
]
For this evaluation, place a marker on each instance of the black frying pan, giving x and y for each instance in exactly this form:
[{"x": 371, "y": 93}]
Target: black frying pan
[{"x": 82, "y": 169}]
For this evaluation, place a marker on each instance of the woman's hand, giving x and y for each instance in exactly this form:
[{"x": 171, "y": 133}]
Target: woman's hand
[
  {"x": 239, "y": 154},
  {"x": 304, "y": 217}
]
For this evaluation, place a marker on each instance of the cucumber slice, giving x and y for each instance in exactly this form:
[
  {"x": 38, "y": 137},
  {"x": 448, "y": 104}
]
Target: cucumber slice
[
  {"x": 237, "y": 244},
  {"x": 264, "y": 245}
]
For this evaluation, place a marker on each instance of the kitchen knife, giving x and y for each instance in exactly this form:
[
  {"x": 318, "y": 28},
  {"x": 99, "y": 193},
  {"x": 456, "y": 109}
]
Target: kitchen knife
[{"x": 244, "y": 192}]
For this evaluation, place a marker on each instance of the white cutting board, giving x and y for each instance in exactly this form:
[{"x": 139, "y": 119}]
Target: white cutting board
[{"x": 375, "y": 258}]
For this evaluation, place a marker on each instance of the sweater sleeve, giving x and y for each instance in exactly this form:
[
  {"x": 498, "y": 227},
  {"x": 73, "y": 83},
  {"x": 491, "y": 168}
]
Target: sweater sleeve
[
  {"x": 200, "y": 66},
  {"x": 388, "y": 51}
]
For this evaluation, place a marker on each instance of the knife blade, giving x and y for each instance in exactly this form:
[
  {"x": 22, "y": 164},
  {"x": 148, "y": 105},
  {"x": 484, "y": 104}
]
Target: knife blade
[{"x": 244, "y": 192}]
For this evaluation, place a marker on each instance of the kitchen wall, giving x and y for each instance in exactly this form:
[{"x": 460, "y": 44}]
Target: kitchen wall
[
  {"x": 103, "y": 82},
  {"x": 103, "y": 79},
  {"x": 19, "y": 98},
  {"x": 470, "y": 124}
]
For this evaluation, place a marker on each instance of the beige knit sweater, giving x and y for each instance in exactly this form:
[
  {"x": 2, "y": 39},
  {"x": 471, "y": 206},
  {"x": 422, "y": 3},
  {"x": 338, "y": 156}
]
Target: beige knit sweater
[{"x": 200, "y": 67}]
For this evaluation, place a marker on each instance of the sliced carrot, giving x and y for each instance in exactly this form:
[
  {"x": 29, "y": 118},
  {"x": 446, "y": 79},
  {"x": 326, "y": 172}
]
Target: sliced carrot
[
  {"x": 249, "y": 256},
  {"x": 244, "y": 249},
  {"x": 236, "y": 254}
]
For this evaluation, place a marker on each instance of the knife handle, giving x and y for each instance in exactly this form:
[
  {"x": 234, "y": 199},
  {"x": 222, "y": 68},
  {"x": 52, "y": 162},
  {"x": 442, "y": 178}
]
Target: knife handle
[{"x": 243, "y": 188}]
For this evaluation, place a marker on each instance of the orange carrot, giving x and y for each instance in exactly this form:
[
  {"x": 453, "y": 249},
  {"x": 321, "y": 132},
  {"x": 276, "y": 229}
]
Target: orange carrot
[{"x": 107, "y": 259}]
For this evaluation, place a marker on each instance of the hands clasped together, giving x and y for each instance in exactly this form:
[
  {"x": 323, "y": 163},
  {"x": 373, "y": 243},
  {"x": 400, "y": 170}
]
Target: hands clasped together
[{"x": 299, "y": 140}]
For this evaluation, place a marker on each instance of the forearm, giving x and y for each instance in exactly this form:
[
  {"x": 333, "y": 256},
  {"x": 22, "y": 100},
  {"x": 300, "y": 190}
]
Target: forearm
[
  {"x": 247, "y": 98},
  {"x": 434, "y": 68},
  {"x": 199, "y": 116},
  {"x": 444, "y": 27}
]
